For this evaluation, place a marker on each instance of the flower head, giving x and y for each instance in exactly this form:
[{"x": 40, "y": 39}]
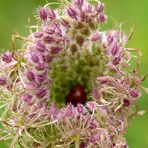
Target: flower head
[{"x": 69, "y": 85}]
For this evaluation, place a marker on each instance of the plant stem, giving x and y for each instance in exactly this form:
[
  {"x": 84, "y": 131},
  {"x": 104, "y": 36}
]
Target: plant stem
[
  {"x": 15, "y": 138},
  {"x": 77, "y": 143}
]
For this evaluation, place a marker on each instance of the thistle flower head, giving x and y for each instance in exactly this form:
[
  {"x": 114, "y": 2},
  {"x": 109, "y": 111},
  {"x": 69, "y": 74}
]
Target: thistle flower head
[{"x": 69, "y": 86}]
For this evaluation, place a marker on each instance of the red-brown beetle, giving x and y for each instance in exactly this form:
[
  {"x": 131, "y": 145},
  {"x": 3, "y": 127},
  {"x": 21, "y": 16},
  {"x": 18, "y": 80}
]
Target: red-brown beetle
[{"x": 76, "y": 95}]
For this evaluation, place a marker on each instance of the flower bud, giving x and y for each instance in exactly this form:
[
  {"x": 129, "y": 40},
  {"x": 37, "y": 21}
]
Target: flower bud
[
  {"x": 53, "y": 108},
  {"x": 91, "y": 106},
  {"x": 34, "y": 58},
  {"x": 53, "y": 111},
  {"x": 110, "y": 39},
  {"x": 38, "y": 34},
  {"x": 80, "y": 109},
  {"x": 52, "y": 15},
  {"x": 101, "y": 18},
  {"x": 41, "y": 93},
  {"x": 27, "y": 98},
  {"x": 95, "y": 37},
  {"x": 41, "y": 77},
  {"x": 92, "y": 124},
  {"x": 126, "y": 102},
  {"x": 89, "y": 8},
  {"x": 69, "y": 111},
  {"x": 47, "y": 58},
  {"x": 116, "y": 60},
  {"x": 43, "y": 13},
  {"x": 40, "y": 46},
  {"x": 30, "y": 75},
  {"x": 103, "y": 80},
  {"x": 134, "y": 93},
  {"x": 124, "y": 146},
  {"x": 2, "y": 81},
  {"x": 96, "y": 94},
  {"x": 49, "y": 31},
  {"x": 49, "y": 39},
  {"x": 55, "y": 50},
  {"x": 40, "y": 66},
  {"x": 7, "y": 57},
  {"x": 100, "y": 7},
  {"x": 83, "y": 16},
  {"x": 114, "y": 50},
  {"x": 30, "y": 85},
  {"x": 79, "y": 3},
  {"x": 65, "y": 23},
  {"x": 71, "y": 12}
]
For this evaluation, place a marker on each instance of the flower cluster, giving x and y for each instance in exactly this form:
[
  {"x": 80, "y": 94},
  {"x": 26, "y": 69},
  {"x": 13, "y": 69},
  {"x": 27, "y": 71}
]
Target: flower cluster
[
  {"x": 82, "y": 21},
  {"x": 71, "y": 84}
]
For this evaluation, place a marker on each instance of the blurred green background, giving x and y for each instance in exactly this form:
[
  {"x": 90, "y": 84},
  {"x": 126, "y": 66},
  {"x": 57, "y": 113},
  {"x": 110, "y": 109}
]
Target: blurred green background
[{"x": 14, "y": 17}]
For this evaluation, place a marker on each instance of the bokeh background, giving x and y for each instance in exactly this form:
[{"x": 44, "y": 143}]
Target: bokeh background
[{"x": 14, "y": 16}]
